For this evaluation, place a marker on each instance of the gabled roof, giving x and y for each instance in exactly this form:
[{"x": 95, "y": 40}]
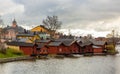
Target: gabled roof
[
  {"x": 39, "y": 28},
  {"x": 82, "y": 40},
  {"x": 62, "y": 40},
  {"x": 96, "y": 46},
  {"x": 21, "y": 40},
  {"x": 98, "y": 42},
  {"x": 40, "y": 45},
  {"x": 25, "y": 35},
  {"x": 13, "y": 43},
  {"x": 42, "y": 33},
  {"x": 18, "y": 29},
  {"x": 42, "y": 41},
  {"x": 20, "y": 44},
  {"x": 85, "y": 43},
  {"x": 66, "y": 42},
  {"x": 54, "y": 43}
]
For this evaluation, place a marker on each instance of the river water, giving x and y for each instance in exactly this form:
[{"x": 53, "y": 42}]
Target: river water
[{"x": 83, "y": 65}]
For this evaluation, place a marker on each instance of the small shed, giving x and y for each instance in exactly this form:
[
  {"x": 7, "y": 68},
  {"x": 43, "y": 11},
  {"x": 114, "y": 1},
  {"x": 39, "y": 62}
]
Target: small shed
[
  {"x": 72, "y": 46},
  {"x": 28, "y": 48},
  {"x": 86, "y": 47},
  {"x": 42, "y": 49},
  {"x": 97, "y": 49},
  {"x": 56, "y": 48},
  {"x": 101, "y": 44}
]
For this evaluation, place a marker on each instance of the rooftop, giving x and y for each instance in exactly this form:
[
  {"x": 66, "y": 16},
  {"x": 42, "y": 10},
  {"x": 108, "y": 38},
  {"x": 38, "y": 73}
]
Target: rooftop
[
  {"x": 13, "y": 43},
  {"x": 25, "y": 35},
  {"x": 42, "y": 41},
  {"x": 54, "y": 43}
]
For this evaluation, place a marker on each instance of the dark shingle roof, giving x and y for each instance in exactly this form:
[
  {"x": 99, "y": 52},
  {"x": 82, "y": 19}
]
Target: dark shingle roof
[
  {"x": 14, "y": 43},
  {"x": 20, "y": 43},
  {"x": 54, "y": 43},
  {"x": 42, "y": 41},
  {"x": 22, "y": 39},
  {"x": 66, "y": 42},
  {"x": 85, "y": 43},
  {"x": 40, "y": 45},
  {"x": 63, "y": 40},
  {"x": 16, "y": 29},
  {"x": 25, "y": 35},
  {"x": 98, "y": 42}
]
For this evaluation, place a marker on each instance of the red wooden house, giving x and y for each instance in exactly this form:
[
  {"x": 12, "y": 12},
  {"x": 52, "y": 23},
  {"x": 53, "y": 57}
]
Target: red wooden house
[
  {"x": 97, "y": 49},
  {"x": 56, "y": 48},
  {"x": 86, "y": 47},
  {"x": 72, "y": 47},
  {"x": 42, "y": 49},
  {"x": 27, "y": 48},
  {"x": 65, "y": 45},
  {"x": 99, "y": 46}
]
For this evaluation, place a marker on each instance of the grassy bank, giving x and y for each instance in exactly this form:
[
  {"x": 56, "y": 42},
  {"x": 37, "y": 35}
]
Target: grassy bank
[{"x": 11, "y": 53}]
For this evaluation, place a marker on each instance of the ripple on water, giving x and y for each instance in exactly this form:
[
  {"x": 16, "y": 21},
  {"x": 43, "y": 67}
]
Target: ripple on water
[{"x": 83, "y": 65}]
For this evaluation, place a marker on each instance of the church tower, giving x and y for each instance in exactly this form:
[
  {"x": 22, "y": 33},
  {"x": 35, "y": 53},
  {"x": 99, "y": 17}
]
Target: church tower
[{"x": 14, "y": 23}]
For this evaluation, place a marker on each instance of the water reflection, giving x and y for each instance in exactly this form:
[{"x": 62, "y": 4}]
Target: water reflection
[{"x": 82, "y": 65}]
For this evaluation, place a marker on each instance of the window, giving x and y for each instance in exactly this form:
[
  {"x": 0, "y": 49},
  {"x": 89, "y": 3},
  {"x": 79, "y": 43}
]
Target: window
[{"x": 60, "y": 49}]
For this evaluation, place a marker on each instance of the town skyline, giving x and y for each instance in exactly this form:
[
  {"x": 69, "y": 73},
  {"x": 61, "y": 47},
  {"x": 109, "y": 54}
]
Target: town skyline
[{"x": 90, "y": 15}]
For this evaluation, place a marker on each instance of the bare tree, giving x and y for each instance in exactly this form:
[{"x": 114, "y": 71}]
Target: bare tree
[{"x": 52, "y": 23}]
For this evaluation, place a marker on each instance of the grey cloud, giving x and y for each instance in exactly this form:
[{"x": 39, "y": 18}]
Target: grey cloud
[{"x": 73, "y": 13}]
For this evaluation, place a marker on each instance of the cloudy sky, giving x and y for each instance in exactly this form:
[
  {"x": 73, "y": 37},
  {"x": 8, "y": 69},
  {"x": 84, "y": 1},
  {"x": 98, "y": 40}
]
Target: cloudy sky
[{"x": 87, "y": 15}]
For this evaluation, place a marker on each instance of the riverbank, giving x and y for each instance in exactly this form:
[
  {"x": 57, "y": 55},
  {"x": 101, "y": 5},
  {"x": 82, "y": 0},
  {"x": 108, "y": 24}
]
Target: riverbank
[
  {"x": 8, "y": 53},
  {"x": 12, "y": 56},
  {"x": 12, "y": 59},
  {"x": 29, "y": 58}
]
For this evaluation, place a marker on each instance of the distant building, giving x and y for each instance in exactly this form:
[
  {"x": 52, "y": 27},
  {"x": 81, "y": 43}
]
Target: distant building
[
  {"x": 10, "y": 32},
  {"x": 43, "y": 29},
  {"x": 44, "y": 35},
  {"x": 28, "y": 38},
  {"x": 39, "y": 28},
  {"x": 101, "y": 39}
]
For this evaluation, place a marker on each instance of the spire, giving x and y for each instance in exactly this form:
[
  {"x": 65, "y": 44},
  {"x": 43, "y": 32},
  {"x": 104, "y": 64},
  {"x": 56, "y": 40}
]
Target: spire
[{"x": 14, "y": 23}]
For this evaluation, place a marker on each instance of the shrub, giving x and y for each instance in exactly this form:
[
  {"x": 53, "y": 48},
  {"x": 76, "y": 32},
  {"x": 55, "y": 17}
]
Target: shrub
[
  {"x": 16, "y": 52},
  {"x": 2, "y": 48},
  {"x": 110, "y": 48}
]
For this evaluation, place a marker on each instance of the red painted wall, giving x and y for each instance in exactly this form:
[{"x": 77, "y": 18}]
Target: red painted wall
[
  {"x": 43, "y": 51},
  {"x": 74, "y": 48},
  {"x": 58, "y": 49},
  {"x": 97, "y": 50},
  {"x": 88, "y": 49},
  {"x": 26, "y": 50},
  {"x": 52, "y": 50},
  {"x": 67, "y": 50}
]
